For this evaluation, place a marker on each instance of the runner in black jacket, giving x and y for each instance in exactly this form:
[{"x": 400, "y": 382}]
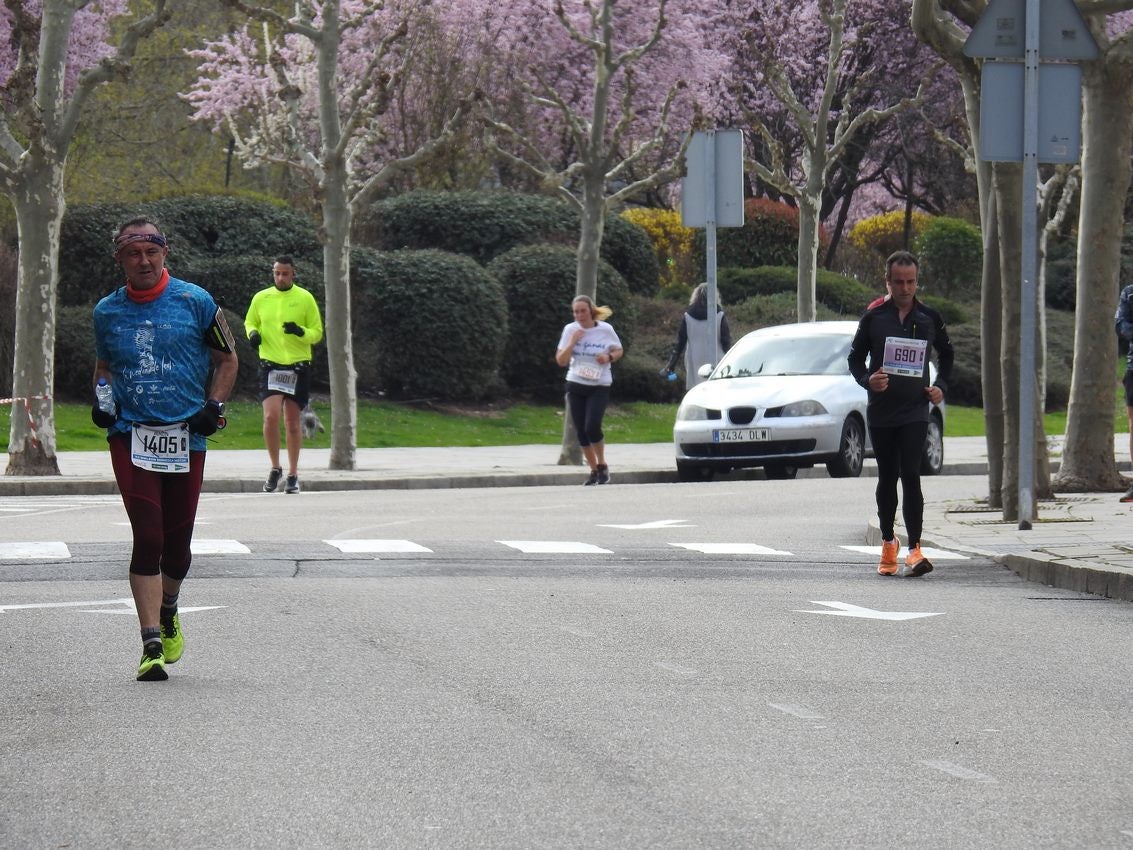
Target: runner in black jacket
[{"x": 898, "y": 336}]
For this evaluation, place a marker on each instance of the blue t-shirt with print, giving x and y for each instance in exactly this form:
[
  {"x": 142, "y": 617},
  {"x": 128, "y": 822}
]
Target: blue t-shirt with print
[{"x": 156, "y": 351}]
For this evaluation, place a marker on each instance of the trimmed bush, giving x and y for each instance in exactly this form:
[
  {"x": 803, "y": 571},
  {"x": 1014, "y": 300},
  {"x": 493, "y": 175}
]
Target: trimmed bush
[
  {"x": 769, "y": 237},
  {"x": 74, "y": 354},
  {"x": 483, "y": 225},
  {"x": 539, "y": 283},
  {"x": 197, "y": 227},
  {"x": 439, "y": 321},
  {"x": 841, "y": 294},
  {"x": 233, "y": 280},
  {"x": 950, "y": 251}
]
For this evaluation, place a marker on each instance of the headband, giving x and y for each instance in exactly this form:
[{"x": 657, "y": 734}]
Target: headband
[{"x": 124, "y": 239}]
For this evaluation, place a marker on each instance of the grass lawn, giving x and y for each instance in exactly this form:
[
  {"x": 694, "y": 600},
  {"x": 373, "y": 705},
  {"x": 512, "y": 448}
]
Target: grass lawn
[{"x": 386, "y": 424}]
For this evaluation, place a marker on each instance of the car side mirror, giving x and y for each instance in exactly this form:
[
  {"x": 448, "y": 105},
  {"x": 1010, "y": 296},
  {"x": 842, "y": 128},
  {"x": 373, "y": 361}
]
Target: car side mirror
[{"x": 706, "y": 370}]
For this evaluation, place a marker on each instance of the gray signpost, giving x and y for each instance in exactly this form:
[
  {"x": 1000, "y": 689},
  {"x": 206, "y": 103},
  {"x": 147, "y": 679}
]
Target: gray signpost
[
  {"x": 712, "y": 195},
  {"x": 1048, "y": 129}
]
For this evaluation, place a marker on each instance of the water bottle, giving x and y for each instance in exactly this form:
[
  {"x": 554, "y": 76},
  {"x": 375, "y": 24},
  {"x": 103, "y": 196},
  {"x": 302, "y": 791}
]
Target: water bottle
[
  {"x": 670, "y": 376},
  {"x": 105, "y": 395}
]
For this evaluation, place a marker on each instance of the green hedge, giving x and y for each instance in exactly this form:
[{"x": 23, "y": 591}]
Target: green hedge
[
  {"x": 198, "y": 228},
  {"x": 539, "y": 282},
  {"x": 438, "y": 322},
  {"x": 233, "y": 280},
  {"x": 486, "y": 224}
]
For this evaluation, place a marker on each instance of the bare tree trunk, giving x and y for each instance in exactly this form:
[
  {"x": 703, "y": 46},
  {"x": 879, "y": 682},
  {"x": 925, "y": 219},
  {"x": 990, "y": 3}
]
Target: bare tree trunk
[
  {"x": 340, "y": 346},
  {"x": 808, "y": 255},
  {"x": 39, "y": 209},
  {"x": 1088, "y": 462}
]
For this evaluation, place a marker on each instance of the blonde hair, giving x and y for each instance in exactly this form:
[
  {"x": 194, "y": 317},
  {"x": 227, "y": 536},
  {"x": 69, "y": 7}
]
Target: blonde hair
[{"x": 598, "y": 313}]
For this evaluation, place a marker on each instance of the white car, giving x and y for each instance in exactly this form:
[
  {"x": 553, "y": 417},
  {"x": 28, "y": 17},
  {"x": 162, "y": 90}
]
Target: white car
[{"x": 783, "y": 398}]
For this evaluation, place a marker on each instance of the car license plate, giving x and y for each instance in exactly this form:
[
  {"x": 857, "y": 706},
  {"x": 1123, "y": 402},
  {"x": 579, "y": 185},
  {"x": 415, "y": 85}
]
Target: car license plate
[{"x": 741, "y": 435}]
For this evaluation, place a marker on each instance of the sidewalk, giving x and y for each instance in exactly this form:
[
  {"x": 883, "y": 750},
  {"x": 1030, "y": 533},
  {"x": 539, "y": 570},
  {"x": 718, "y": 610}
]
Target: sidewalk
[{"x": 1078, "y": 542}]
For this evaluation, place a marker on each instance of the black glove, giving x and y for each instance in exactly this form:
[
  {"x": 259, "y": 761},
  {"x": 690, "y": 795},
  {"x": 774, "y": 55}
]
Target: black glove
[
  {"x": 255, "y": 338},
  {"x": 205, "y": 421},
  {"x": 101, "y": 418},
  {"x": 292, "y": 328}
]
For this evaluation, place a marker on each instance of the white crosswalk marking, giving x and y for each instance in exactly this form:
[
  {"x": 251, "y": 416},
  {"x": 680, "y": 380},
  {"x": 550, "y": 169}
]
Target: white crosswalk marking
[
  {"x": 731, "y": 549},
  {"x": 553, "y": 547},
  {"x": 34, "y": 551},
  {"x": 219, "y": 547},
  {"x": 928, "y": 551},
  {"x": 368, "y": 546}
]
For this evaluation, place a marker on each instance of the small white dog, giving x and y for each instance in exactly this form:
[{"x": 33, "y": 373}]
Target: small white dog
[{"x": 310, "y": 422}]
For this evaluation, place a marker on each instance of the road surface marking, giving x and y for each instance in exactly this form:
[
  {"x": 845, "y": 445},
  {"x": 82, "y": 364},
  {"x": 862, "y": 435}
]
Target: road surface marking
[
  {"x": 958, "y": 771},
  {"x": 549, "y": 547},
  {"x": 34, "y": 550},
  {"x": 796, "y": 710},
  {"x": 659, "y": 523},
  {"x": 362, "y": 546},
  {"x": 846, "y": 610},
  {"x": 928, "y": 551},
  {"x": 731, "y": 549},
  {"x": 219, "y": 547}
]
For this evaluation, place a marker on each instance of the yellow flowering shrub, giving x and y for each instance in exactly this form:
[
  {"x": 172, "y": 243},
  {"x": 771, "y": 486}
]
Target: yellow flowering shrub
[
  {"x": 885, "y": 233},
  {"x": 672, "y": 241}
]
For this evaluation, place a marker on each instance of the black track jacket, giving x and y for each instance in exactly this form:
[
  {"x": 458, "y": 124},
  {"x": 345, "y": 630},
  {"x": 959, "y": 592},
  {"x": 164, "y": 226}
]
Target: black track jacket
[{"x": 904, "y": 401}]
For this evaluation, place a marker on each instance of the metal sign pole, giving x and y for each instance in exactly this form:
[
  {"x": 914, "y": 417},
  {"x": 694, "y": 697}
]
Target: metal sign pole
[
  {"x": 710, "y": 237},
  {"x": 1029, "y": 289}
]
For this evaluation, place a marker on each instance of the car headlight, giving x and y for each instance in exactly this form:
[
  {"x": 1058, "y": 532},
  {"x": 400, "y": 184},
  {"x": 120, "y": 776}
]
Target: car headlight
[
  {"x": 691, "y": 413},
  {"x": 810, "y": 407}
]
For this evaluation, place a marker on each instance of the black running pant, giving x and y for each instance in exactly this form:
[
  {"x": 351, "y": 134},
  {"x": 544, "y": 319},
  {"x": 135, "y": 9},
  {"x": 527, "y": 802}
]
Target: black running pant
[
  {"x": 587, "y": 407},
  {"x": 898, "y": 452},
  {"x": 162, "y": 507}
]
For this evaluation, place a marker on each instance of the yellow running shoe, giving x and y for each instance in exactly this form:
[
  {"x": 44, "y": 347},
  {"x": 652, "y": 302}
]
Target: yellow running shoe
[
  {"x": 887, "y": 566},
  {"x": 916, "y": 564},
  {"x": 152, "y": 666},
  {"x": 172, "y": 640}
]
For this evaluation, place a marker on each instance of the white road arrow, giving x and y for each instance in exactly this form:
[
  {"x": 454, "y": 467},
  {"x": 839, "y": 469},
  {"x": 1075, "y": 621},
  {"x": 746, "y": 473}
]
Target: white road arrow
[
  {"x": 845, "y": 610},
  {"x": 659, "y": 523}
]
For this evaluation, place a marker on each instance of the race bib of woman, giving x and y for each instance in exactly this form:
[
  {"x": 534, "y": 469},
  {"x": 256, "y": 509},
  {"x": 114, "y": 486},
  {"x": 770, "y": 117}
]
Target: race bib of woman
[
  {"x": 283, "y": 380},
  {"x": 160, "y": 448},
  {"x": 588, "y": 372},
  {"x": 904, "y": 356}
]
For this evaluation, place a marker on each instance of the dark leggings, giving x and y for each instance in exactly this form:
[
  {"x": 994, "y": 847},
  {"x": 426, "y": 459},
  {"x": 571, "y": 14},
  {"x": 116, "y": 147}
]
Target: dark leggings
[
  {"x": 162, "y": 507},
  {"x": 587, "y": 407},
  {"x": 898, "y": 452}
]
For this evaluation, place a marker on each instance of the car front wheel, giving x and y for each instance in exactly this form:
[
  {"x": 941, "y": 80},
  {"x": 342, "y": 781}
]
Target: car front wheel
[
  {"x": 932, "y": 462},
  {"x": 851, "y": 451}
]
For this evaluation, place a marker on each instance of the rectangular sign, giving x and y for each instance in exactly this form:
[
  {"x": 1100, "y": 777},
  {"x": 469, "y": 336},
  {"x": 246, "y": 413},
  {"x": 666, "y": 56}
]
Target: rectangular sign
[
  {"x": 722, "y": 152},
  {"x": 1001, "y": 112}
]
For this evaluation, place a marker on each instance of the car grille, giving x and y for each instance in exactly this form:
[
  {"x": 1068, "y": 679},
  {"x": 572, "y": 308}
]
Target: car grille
[
  {"x": 741, "y": 415},
  {"x": 761, "y": 449}
]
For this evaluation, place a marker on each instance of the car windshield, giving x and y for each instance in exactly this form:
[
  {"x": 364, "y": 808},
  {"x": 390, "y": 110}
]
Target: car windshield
[{"x": 776, "y": 355}]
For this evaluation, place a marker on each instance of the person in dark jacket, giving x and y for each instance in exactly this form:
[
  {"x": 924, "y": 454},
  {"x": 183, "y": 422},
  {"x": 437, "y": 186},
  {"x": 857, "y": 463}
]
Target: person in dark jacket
[
  {"x": 694, "y": 337},
  {"x": 898, "y": 335},
  {"x": 1123, "y": 322}
]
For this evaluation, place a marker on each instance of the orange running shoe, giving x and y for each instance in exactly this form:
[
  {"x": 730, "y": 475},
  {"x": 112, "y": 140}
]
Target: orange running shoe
[
  {"x": 887, "y": 566},
  {"x": 916, "y": 564}
]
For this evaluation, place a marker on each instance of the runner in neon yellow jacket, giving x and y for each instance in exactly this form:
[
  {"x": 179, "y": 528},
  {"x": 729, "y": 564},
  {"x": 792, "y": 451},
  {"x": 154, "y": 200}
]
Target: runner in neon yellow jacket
[{"x": 283, "y": 322}]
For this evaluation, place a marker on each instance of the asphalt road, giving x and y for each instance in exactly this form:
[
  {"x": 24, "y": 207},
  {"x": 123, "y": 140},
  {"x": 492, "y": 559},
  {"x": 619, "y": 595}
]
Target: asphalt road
[{"x": 517, "y": 668}]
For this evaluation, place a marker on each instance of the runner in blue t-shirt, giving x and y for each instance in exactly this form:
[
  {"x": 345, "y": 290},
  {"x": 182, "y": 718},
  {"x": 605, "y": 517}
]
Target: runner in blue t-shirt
[{"x": 156, "y": 339}]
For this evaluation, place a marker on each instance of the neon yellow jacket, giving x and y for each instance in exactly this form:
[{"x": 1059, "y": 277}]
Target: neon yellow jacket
[{"x": 269, "y": 309}]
